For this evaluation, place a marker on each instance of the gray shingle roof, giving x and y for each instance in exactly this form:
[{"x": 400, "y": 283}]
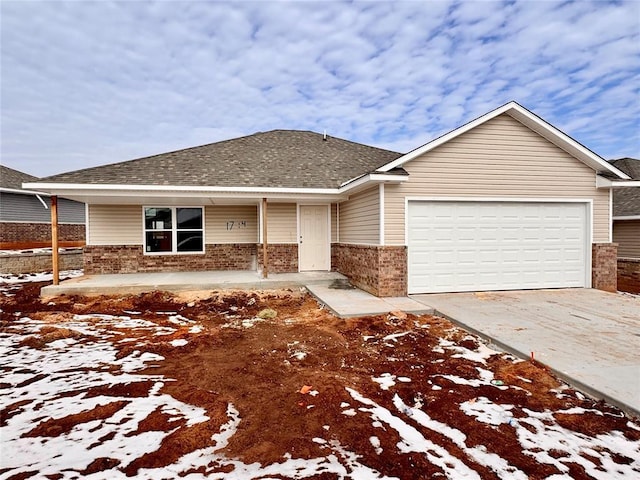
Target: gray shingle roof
[
  {"x": 630, "y": 166},
  {"x": 279, "y": 158},
  {"x": 626, "y": 201},
  {"x": 10, "y": 178}
]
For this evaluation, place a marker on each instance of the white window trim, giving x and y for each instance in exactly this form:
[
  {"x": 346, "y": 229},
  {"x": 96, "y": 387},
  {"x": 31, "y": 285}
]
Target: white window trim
[{"x": 173, "y": 230}]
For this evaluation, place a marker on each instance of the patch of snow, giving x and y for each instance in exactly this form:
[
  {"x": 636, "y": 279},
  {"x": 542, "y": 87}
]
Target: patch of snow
[
  {"x": 195, "y": 329},
  {"x": 386, "y": 380},
  {"x": 180, "y": 320},
  {"x": 375, "y": 443},
  {"x": 37, "y": 277},
  {"x": 411, "y": 440},
  {"x": 477, "y": 453},
  {"x": 488, "y": 412},
  {"x": 181, "y": 342},
  {"x": 394, "y": 336},
  {"x": 350, "y": 413}
]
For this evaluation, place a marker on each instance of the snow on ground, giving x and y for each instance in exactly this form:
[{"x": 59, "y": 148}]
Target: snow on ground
[
  {"x": 37, "y": 277},
  {"x": 54, "y": 381}
]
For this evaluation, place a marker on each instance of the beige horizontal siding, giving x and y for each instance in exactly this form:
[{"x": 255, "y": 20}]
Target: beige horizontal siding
[
  {"x": 626, "y": 233},
  {"x": 115, "y": 225},
  {"x": 500, "y": 158},
  {"x": 360, "y": 218},
  {"x": 282, "y": 223},
  {"x": 334, "y": 222},
  {"x": 231, "y": 224}
]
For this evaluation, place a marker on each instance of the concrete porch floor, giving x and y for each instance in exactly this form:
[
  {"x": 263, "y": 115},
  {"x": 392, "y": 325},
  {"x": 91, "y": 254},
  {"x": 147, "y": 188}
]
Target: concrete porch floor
[
  {"x": 325, "y": 286},
  {"x": 132, "y": 283}
]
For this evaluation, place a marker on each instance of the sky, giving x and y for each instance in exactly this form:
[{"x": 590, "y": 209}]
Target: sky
[{"x": 85, "y": 83}]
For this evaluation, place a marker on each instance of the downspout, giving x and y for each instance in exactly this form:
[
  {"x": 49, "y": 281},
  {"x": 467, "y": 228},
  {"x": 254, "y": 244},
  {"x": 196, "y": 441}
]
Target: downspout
[{"x": 44, "y": 204}]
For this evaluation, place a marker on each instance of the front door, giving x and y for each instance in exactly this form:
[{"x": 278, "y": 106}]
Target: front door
[{"x": 314, "y": 244}]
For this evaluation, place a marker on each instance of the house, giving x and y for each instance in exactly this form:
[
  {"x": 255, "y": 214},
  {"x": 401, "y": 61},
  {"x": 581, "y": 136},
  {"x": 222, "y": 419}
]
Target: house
[
  {"x": 506, "y": 201},
  {"x": 626, "y": 226},
  {"x": 626, "y": 211},
  {"x": 25, "y": 218}
]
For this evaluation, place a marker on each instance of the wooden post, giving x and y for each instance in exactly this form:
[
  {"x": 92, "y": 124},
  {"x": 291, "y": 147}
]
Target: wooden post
[
  {"x": 54, "y": 239},
  {"x": 265, "y": 256}
]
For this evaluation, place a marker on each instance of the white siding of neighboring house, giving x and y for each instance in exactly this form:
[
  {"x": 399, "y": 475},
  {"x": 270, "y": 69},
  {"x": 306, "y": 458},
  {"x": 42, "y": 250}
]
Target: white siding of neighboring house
[
  {"x": 626, "y": 233},
  {"x": 500, "y": 158},
  {"x": 360, "y": 218}
]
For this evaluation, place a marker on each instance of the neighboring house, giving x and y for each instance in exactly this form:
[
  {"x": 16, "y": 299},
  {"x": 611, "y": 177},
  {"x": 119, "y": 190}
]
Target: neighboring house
[
  {"x": 626, "y": 210},
  {"x": 626, "y": 226},
  {"x": 504, "y": 202},
  {"x": 25, "y": 216}
]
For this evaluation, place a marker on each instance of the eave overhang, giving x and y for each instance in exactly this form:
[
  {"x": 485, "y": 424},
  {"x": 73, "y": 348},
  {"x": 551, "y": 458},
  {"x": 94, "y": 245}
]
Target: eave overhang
[{"x": 89, "y": 193}]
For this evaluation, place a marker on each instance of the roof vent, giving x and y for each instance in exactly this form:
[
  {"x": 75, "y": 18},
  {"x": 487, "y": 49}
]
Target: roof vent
[{"x": 324, "y": 135}]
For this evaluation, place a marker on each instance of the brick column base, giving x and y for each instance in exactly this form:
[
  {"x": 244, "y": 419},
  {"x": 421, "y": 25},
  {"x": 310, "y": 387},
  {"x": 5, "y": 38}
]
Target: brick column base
[
  {"x": 379, "y": 270},
  {"x": 282, "y": 257},
  {"x": 604, "y": 261}
]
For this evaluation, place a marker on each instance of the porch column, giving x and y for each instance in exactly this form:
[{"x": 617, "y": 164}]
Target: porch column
[
  {"x": 54, "y": 239},
  {"x": 265, "y": 256}
]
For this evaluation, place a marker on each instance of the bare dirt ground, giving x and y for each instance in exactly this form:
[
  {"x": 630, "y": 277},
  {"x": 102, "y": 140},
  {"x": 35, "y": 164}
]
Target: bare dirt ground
[{"x": 270, "y": 385}]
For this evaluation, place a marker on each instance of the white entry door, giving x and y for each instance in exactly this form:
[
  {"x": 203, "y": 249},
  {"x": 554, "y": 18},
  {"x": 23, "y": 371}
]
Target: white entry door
[
  {"x": 314, "y": 246},
  {"x": 461, "y": 246}
]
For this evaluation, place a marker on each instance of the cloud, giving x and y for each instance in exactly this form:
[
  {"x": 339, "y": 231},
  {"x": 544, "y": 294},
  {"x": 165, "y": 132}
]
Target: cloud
[{"x": 87, "y": 83}]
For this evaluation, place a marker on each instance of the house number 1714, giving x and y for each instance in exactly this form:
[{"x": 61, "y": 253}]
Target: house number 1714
[{"x": 235, "y": 224}]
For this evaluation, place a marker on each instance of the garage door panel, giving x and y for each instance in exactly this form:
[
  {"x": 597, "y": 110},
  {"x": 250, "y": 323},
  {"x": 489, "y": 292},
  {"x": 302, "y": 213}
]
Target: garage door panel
[{"x": 467, "y": 246}]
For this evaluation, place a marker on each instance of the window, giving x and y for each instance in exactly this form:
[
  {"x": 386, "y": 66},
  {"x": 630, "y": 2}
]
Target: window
[{"x": 173, "y": 230}]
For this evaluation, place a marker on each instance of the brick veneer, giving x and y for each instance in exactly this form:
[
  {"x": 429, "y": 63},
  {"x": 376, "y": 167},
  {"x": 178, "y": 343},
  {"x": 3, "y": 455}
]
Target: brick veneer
[
  {"x": 39, "y": 232},
  {"x": 379, "y": 270},
  {"x": 100, "y": 259},
  {"x": 604, "y": 266},
  {"x": 629, "y": 275},
  {"x": 282, "y": 257}
]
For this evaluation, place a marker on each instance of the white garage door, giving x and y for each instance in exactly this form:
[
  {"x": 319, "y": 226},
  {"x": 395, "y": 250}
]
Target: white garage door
[{"x": 475, "y": 246}]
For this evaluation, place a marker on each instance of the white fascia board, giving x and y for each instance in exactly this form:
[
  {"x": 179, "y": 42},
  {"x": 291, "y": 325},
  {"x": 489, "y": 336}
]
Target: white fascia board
[
  {"x": 527, "y": 118},
  {"x": 24, "y": 192},
  {"x": 632, "y": 183},
  {"x": 173, "y": 190},
  {"x": 627, "y": 217}
]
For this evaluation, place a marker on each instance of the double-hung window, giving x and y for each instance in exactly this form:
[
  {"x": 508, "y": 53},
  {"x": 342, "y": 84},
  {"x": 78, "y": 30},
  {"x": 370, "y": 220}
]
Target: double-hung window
[{"x": 173, "y": 230}]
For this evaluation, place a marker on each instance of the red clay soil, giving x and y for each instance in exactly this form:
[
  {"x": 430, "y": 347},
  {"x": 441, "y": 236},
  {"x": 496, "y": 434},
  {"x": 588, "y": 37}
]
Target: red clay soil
[{"x": 256, "y": 370}]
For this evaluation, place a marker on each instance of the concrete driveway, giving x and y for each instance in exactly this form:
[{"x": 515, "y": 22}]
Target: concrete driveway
[{"x": 589, "y": 338}]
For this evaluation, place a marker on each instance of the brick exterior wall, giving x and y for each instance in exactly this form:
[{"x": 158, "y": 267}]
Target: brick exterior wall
[
  {"x": 604, "y": 266},
  {"x": 39, "y": 262},
  {"x": 379, "y": 270},
  {"x": 101, "y": 259},
  {"x": 36, "y": 234},
  {"x": 629, "y": 275},
  {"x": 281, "y": 257}
]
